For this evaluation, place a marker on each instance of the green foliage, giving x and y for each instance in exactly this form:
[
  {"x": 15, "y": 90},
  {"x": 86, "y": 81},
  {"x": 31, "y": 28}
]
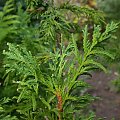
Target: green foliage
[
  {"x": 58, "y": 80},
  {"x": 43, "y": 76},
  {"x": 97, "y": 16},
  {"x": 116, "y": 83},
  {"x": 7, "y": 20},
  {"x": 111, "y": 8},
  {"x": 3, "y": 116}
]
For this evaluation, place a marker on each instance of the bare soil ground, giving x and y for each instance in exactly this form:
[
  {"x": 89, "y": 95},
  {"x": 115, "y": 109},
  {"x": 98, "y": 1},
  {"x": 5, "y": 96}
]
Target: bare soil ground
[{"x": 108, "y": 106}]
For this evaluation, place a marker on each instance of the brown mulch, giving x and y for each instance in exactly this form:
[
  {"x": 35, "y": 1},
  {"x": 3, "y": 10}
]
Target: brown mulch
[{"x": 108, "y": 106}]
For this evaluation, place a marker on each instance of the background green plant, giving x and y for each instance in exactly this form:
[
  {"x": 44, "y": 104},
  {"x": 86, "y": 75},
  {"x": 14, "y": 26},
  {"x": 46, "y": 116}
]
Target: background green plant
[{"x": 111, "y": 9}]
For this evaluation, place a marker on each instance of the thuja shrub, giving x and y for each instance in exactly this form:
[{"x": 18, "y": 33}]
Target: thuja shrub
[{"x": 42, "y": 79}]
